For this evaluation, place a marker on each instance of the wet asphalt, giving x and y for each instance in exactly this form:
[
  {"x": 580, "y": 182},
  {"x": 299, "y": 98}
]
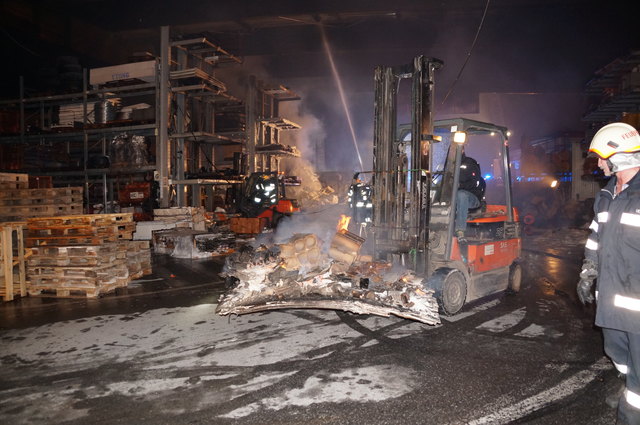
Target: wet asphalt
[{"x": 156, "y": 353}]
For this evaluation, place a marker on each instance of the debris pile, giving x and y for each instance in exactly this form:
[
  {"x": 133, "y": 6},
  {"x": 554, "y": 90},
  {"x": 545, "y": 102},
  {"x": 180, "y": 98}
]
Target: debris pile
[
  {"x": 192, "y": 244},
  {"x": 300, "y": 274}
]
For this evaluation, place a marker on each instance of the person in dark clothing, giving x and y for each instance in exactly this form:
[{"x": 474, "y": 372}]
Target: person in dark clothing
[
  {"x": 612, "y": 256},
  {"x": 469, "y": 195}
]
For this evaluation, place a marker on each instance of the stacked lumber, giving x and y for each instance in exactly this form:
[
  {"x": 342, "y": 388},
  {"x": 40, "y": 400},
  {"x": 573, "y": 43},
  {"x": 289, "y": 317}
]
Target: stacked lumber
[
  {"x": 83, "y": 255},
  {"x": 12, "y": 261},
  {"x": 18, "y": 202}
]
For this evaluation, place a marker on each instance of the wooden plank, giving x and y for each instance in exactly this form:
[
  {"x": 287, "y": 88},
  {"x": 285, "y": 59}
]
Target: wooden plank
[
  {"x": 70, "y": 240},
  {"x": 81, "y": 220},
  {"x": 7, "y": 263},
  {"x": 12, "y": 261}
]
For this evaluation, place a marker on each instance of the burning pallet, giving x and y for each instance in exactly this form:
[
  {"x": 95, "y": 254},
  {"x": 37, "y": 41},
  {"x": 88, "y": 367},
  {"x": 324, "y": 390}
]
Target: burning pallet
[{"x": 300, "y": 273}]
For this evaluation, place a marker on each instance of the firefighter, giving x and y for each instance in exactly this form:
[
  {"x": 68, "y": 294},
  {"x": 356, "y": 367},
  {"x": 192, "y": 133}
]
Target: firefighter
[
  {"x": 469, "y": 195},
  {"x": 612, "y": 255}
]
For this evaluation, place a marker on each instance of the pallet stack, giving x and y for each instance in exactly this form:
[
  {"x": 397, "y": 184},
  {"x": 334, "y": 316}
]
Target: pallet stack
[
  {"x": 138, "y": 255},
  {"x": 83, "y": 255},
  {"x": 12, "y": 261},
  {"x": 18, "y": 202}
]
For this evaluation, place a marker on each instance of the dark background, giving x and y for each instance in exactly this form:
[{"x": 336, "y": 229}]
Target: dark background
[{"x": 527, "y": 70}]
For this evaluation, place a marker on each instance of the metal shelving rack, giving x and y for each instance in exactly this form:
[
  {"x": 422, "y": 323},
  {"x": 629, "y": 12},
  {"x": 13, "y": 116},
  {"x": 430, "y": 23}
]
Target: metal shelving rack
[
  {"x": 188, "y": 97},
  {"x": 614, "y": 91},
  {"x": 80, "y": 139}
]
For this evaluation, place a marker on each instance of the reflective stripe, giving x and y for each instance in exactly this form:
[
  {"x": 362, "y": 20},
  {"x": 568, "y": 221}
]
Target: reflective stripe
[
  {"x": 603, "y": 217},
  {"x": 594, "y": 226},
  {"x": 632, "y": 398},
  {"x": 626, "y": 302},
  {"x": 591, "y": 244},
  {"x": 596, "y": 295},
  {"x": 630, "y": 219},
  {"x": 622, "y": 368}
]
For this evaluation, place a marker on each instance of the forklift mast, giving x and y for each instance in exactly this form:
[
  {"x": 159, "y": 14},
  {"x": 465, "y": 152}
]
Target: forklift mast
[{"x": 401, "y": 174}]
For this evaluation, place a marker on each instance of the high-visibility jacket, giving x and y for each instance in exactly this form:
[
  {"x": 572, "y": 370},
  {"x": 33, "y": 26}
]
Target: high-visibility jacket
[{"x": 614, "y": 247}]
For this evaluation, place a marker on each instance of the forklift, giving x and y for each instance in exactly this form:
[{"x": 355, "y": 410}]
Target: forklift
[
  {"x": 263, "y": 198},
  {"x": 416, "y": 170}
]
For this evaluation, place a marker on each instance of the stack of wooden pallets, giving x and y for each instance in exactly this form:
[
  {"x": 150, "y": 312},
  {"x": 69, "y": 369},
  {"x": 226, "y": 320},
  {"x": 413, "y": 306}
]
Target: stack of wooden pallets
[
  {"x": 12, "y": 261},
  {"x": 18, "y": 202},
  {"x": 83, "y": 255},
  {"x": 138, "y": 255}
]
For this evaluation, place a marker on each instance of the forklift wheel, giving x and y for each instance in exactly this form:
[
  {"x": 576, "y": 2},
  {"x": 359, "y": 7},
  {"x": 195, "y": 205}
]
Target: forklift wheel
[
  {"x": 515, "y": 278},
  {"x": 454, "y": 292}
]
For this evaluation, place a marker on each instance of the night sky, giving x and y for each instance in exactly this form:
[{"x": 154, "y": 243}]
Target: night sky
[{"x": 527, "y": 71}]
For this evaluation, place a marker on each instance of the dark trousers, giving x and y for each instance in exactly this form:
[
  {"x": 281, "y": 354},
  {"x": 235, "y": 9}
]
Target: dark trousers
[{"x": 623, "y": 348}]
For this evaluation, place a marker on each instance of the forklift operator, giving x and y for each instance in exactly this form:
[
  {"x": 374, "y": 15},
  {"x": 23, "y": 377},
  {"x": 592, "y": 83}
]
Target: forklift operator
[{"x": 469, "y": 195}]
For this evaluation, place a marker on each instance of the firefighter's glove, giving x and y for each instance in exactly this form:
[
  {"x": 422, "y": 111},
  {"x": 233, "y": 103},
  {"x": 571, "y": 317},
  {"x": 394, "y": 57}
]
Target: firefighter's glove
[{"x": 587, "y": 276}]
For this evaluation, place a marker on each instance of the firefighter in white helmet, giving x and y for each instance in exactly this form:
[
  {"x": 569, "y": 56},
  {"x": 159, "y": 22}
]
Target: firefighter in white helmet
[{"x": 612, "y": 256}]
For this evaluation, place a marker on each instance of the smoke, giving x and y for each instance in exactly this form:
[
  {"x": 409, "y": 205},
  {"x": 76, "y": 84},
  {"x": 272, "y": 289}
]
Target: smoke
[
  {"x": 322, "y": 223},
  {"x": 310, "y": 139}
]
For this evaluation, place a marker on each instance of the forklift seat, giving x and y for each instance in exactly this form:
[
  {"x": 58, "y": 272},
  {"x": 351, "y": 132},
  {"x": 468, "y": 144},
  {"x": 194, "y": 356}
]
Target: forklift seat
[
  {"x": 491, "y": 214},
  {"x": 478, "y": 211}
]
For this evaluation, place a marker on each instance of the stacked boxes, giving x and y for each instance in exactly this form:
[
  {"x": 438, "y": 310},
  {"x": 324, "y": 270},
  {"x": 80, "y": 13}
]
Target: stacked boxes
[{"x": 83, "y": 255}]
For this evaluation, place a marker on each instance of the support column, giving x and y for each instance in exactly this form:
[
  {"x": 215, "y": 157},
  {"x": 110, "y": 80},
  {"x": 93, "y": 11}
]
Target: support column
[{"x": 162, "y": 119}]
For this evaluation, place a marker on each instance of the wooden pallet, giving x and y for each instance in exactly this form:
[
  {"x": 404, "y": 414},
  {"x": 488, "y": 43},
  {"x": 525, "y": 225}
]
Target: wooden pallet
[
  {"x": 40, "y": 210},
  {"x": 75, "y": 252},
  {"x": 44, "y": 193},
  {"x": 71, "y": 231},
  {"x": 82, "y": 220},
  {"x": 57, "y": 261},
  {"x": 58, "y": 200},
  {"x": 87, "y": 229},
  {"x": 138, "y": 258},
  {"x": 74, "y": 291},
  {"x": 61, "y": 277},
  {"x": 14, "y": 181},
  {"x": 70, "y": 240},
  {"x": 12, "y": 261},
  {"x": 105, "y": 271}
]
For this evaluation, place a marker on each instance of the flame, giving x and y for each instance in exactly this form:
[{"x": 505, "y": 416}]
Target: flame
[{"x": 343, "y": 224}]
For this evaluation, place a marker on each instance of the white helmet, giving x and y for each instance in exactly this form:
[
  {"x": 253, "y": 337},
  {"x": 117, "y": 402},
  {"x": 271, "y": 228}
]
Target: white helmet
[{"x": 617, "y": 137}]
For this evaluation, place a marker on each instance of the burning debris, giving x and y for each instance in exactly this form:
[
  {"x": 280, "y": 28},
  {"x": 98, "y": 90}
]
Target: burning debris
[{"x": 300, "y": 273}]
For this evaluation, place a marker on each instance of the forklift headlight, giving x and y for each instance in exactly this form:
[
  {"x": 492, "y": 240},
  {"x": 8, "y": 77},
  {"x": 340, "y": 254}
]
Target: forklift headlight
[{"x": 459, "y": 137}]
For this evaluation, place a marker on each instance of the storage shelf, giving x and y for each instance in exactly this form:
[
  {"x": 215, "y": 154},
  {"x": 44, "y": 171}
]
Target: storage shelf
[
  {"x": 65, "y": 136},
  {"x": 203, "y": 136}
]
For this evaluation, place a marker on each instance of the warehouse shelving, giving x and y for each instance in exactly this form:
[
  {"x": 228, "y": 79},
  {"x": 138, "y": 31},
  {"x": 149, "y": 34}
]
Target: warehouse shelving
[
  {"x": 614, "y": 91},
  {"x": 194, "y": 128}
]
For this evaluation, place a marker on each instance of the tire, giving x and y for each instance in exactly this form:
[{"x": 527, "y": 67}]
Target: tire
[
  {"x": 454, "y": 292},
  {"x": 515, "y": 278}
]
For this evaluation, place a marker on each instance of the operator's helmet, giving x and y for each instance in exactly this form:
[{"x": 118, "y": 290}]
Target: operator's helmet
[{"x": 619, "y": 143}]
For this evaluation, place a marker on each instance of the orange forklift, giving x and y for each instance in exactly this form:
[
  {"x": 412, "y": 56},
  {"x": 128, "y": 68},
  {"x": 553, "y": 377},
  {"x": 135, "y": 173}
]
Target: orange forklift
[
  {"x": 263, "y": 202},
  {"x": 414, "y": 182}
]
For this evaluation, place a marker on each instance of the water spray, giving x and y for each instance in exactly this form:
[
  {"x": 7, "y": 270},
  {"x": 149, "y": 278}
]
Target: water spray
[{"x": 343, "y": 98}]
